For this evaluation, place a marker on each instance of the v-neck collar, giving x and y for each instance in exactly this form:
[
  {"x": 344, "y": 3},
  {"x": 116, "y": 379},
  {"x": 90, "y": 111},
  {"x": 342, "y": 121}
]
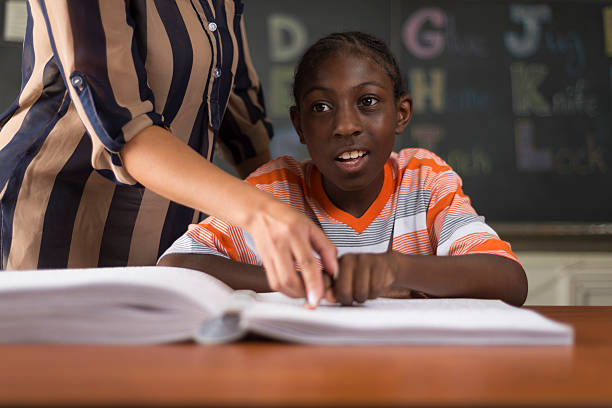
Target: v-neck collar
[{"x": 361, "y": 223}]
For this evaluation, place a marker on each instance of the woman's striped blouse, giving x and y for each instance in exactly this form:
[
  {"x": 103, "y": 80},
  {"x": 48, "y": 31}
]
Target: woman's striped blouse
[{"x": 95, "y": 73}]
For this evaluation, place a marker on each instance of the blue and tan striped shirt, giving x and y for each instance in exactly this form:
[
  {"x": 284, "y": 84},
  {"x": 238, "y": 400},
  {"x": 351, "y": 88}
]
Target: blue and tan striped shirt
[{"x": 96, "y": 73}]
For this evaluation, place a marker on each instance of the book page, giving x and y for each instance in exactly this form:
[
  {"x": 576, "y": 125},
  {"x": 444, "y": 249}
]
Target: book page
[
  {"x": 107, "y": 305},
  {"x": 404, "y": 321},
  {"x": 200, "y": 287}
]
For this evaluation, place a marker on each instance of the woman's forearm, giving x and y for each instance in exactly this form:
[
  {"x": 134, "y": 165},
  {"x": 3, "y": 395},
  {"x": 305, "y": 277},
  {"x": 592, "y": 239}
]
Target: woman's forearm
[
  {"x": 485, "y": 276},
  {"x": 169, "y": 167}
]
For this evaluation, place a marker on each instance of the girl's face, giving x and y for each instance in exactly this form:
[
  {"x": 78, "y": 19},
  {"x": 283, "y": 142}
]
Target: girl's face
[{"x": 348, "y": 118}]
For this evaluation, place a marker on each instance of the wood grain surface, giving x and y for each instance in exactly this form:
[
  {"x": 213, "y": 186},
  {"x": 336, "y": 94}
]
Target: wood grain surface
[{"x": 265, "y": 373}]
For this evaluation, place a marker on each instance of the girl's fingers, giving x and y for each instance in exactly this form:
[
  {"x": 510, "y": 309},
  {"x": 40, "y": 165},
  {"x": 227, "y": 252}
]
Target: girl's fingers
[
  {"x": 377, "y": 284},
  {"x": 343, "y": 285},
  {"x": 361, "y": 283},
  {"x": 329, "y": 296}
]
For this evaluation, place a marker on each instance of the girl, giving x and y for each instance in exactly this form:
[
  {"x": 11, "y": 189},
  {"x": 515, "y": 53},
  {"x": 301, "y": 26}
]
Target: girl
[{"x": 400, "y": 221}]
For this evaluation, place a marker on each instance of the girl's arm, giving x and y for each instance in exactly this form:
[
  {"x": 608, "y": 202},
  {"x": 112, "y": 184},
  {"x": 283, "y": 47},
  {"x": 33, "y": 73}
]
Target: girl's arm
[
  {"x": 283, "y": 236},
  {"x": 234, "y": 274},
  {"x": 487, "y": 276}
]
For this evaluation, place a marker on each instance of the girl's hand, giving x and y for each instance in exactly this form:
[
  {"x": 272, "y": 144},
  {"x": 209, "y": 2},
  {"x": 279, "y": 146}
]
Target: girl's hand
[
  {"x": 363, "y": 276},
  {"x": 286, "y": 239}
]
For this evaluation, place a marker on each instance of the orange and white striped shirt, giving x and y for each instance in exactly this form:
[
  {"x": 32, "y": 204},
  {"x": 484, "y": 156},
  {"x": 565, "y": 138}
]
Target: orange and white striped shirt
[{"x": 420, "y": 210}]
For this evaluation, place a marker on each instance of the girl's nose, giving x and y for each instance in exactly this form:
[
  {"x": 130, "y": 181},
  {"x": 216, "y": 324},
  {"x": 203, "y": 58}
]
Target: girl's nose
[{"x": 347, "y": 122}]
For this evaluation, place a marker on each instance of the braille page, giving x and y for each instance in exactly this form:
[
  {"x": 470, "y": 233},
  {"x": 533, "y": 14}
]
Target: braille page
[{"x": 404, "y": 321}]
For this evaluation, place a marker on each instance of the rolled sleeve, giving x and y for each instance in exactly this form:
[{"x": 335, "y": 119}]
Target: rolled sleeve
[{"x": 94, "y": 45}]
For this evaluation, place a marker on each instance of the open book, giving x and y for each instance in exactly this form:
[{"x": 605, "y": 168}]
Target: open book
[{"x": 139, "y": 305}]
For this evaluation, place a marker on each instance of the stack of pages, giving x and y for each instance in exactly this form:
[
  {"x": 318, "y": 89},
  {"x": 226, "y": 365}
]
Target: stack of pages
[{"x": 144, "y": 305}]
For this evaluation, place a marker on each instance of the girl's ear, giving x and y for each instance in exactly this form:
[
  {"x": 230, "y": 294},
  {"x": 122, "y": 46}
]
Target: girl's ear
[
  {"x": 404, "y": 113},
  {"x": 294, "y": 113}
]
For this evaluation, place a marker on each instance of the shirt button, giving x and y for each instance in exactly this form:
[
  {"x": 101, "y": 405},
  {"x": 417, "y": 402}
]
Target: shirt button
[
  {"x": 77, "y": 82},
  {"x": 217, "y": 72},
  {"x": 212, "y": 26}
]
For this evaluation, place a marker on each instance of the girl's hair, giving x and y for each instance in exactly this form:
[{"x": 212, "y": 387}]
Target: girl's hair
[{"x": 355, "y": 42}]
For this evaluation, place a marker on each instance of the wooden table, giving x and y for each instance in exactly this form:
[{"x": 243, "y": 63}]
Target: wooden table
[{"x": 266, "y": 373}]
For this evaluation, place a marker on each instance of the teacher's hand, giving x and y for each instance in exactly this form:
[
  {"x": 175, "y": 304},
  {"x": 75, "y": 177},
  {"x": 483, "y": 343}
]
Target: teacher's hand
[{"x": 286, "y": 239}]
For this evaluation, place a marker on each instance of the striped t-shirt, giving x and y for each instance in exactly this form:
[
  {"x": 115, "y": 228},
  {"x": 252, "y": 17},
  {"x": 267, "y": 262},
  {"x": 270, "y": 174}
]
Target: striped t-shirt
[
  {"x": 96, "y": 73},
  {"x": 421, "y": 209}
]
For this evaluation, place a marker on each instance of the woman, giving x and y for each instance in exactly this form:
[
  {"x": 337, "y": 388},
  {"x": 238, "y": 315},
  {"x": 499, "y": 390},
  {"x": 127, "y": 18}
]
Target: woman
[{"x": 107, "y": 149}]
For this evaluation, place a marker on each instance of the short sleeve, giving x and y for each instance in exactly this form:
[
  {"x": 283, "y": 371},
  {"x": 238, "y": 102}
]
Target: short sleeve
[
  {"x": 186, "y": 244},
  {"x": 454, "y": 225},
  {"x": 94, "y": 45},
  {"x": 282, "y": 178},
  {"x": 216, "y": 237},
  {"x": 245, "y": 130}
]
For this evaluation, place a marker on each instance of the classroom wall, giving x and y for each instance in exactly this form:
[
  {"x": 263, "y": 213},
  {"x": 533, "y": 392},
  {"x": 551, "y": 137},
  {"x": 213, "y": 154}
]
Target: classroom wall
[
  {"x": 568, "y": 278},
  {"x": 516, "y": 96}
]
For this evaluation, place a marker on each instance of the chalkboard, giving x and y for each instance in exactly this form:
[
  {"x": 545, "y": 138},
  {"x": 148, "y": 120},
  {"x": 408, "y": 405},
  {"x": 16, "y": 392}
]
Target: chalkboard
[{"x": 516, "y": 96}]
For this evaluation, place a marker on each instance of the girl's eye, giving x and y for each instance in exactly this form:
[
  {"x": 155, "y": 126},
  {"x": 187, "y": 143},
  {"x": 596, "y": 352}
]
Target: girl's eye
[
  {"x": 320, "y": 107},
  {"x": 369, "y": 101}
]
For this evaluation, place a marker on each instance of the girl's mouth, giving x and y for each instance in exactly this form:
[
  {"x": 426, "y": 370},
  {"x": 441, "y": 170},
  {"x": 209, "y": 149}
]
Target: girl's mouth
[{"x": 352, "y": 160}]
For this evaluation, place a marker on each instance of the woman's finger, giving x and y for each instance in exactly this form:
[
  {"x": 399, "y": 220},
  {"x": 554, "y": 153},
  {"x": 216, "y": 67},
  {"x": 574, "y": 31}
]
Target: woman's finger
[
  {"x": 268, "y": 263},
  {"x": 326, "y": 250},
  {"x": 275, "y": 260},
  {"x": 284, "y": 238},
  {"x": 311, "y": 270}
]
